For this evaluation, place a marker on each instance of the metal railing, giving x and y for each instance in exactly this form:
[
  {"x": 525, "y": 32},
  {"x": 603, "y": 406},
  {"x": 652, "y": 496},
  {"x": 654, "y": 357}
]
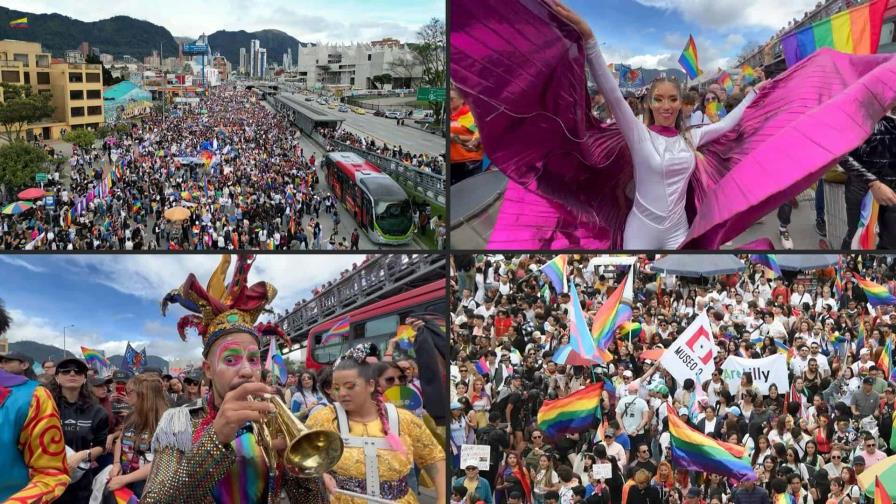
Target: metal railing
[
  {"x": 431, "y": 185},
  {"x": 383, "y": 275}
]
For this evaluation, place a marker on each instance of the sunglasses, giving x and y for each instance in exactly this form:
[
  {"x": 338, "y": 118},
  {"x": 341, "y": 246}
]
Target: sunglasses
[
  {"x": 391, "y": 380},
  {"x": 69, "y": 371},
  {"x": 835, "y": 457}
]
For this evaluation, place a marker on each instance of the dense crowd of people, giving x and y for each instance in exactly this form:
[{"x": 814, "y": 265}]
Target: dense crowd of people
[
  {"x": 808, "y": 442},
  {"x": 232, "y": 162}
]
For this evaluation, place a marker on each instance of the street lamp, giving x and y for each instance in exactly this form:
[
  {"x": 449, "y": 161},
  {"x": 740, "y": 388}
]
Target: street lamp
[{"x": 63, "y": 338}]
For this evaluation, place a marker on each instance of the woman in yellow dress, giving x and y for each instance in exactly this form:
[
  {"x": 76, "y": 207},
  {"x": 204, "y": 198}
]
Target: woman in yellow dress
[{"x": 382, "y": 442}]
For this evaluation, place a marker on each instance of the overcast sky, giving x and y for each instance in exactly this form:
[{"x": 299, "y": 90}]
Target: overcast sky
[
  {"x": 113, "y": 299},
  {"x": 307, "y": 20}
]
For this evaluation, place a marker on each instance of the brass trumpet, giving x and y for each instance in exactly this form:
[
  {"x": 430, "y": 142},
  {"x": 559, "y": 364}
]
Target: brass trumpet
[{"x": 309, "y": 453}]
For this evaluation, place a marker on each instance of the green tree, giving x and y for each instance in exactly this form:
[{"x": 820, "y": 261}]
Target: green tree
[
  {"x": 381, "y": 80},
  {"x": 19, "y": 162},
  {"x": 81, "y": 137},
  {"x": 431, "y": 54},
  {"x": 21, "y": 108}
]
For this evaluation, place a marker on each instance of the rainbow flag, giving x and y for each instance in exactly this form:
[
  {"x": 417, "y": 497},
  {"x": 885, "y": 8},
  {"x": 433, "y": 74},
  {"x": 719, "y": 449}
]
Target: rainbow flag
[
  {"x": 574, "y": 413},
  {"x": 566, "y": 355},
  {"x": 747, "y": 74},
  {"x": 631, "y": 329},
  {"x": 838, "y": 281},
  {"x": 880, "y": 493},
  {"x": 885, "y": 362},
  {"x": 275, "y": 362},
  {"x": 716, "y": 109},
  {"x": 555, "y": 270},
  {"x": 19, "y": 23},
  {"x": 855, "y": 31},
  {"x": 124, "y": 495},
  {"x": 836, "y": 339},
  {"x": 877, "y": 294},
  {"x": 579, "y": 338},
  {"x": 860, "y": 334},
  {"x": 696, "y": 451},
  {"x": 726, "y": 82},
  {"x": 482, "y": 366},
  {"x": 767, "y": 260},
  {"x": 405, "y": 336},
  {"x": 893, "y": 434},
  {"x": 612, "y": 314},
  {"x": 468, "y": 121},
  {"x": 866, "y": 236},
  {"x": 94, "y": 358},
  {"x": 339, "y": 330},
  {"x": 785, "y": 498},
  {"x": 689, "y": 60}
]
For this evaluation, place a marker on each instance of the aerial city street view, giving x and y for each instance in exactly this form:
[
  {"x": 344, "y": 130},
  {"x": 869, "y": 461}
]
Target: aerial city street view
[{"x": 134, "y": 126}]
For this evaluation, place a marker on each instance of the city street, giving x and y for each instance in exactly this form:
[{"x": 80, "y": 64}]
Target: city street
[{"x": 384, "y": 130}]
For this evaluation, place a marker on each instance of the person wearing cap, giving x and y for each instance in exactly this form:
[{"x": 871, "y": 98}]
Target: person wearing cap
[
  {"x": 85, "y": 426},
  {"x": 865, "y": 402},
  {"x": 207, "y": 450},
  {"x": 477, "y": 487},
  {"x": 461, "y": 432},
  {"x": 32, "y": 453},
  {"x": 18, "y": 363},
  {"x": 694, "y": 495}
]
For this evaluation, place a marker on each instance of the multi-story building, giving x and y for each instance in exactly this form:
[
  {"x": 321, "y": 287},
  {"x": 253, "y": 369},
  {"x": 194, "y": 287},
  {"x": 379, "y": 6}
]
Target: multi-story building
[
  {"x": 386, "y": 42},
  {"x": 153, "y": 61},
  {"x": 354, "y": 66},
  {"x": 262, "y": 62},
  {"x": 106, "y": 59},
  {"x": 84, "y": 49},
  {"x": 254, "y": 45},
  {"x": 75, "y": 89},
  {"x": 74, "y": 56},
  {"x": 242, "y": 60},
  {"x": 288, "y": 67},
  {"x": 222, "y": 66}
]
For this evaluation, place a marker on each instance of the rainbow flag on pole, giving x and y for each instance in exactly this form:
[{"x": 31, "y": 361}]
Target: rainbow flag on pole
[
  {"x": 555, "y": 270},
  {"x": 877, "y": 294},
  {"x": 275, "y": 362},
  {"x": 866, "y": 236},
  {"x": 855, "y": 31},
  {"x": 19, "y": 23},
  {"x": 767, "y": 260},
  {"x": 574, "y": 413},
  {"x": 689, "y": 60},
  {"x": 696, "y": 451},
  {"x": 885, "y": 362},
  {"x": 747, "y": 74},
  {"x": 95, "y": 359},
  {"x": 727, "y": 82},
  {"x": 339, "y": 330},
  {"x": 612, "y": 314}
]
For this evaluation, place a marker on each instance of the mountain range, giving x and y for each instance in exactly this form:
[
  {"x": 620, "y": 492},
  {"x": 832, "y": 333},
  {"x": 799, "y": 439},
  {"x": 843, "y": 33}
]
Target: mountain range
[
  {"x": 41, "y": 352},
  {"x": 124, "y": 35}
]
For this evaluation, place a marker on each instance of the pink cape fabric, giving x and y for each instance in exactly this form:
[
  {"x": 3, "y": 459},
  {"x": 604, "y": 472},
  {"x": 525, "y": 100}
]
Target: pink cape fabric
[{"x": 522, "y": 70}]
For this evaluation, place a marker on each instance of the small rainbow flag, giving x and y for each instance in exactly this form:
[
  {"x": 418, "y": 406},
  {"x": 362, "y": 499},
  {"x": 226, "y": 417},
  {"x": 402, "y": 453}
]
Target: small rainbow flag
[
  {"x": 482, "y": 366},
  {"x": 767, "y": 260},
  {"x": 836, "y": 339},
  {"x": 579, "y": 337},
  {"x": 555, "y": 270},
  {"x": 94, "y": 358},
  {"x": 566, "y": 355},
  {"x": 866, "y": 236},
  {"x": 747, "y": 74},
  {"x": 860, "y": 334},
  {"x": 275, "y": 362},
  {"x": 715, "y": 109},
  {"x": 838, "y": 281},
  {"x": 885, "y": 362},
  {"x": 631, "y": 329},
  {"x": 881, "y": 496},
  {"x": 877, "y": 294},
  {"x": 785, "y": 498},
  {"x": 696, "y": 451},
  {"x": 855, "y": 31},
  {"x": 726, "y": 82},
  {"x": 611, "y": 315},
  {"x": 405, "y": 336},
  {"x": 689, "y": 60},
  {"x": 19, "y": 23},
  {"x": 124, "y": 495},
  {"x": 574, "y": 413},
  {"x": 339, "y": 330},
  {"x": 468, "y": 121}
]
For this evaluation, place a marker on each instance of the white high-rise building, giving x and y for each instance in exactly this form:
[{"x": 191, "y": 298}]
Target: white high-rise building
[
  {"x": 285, "y": 61},
  {"x": 289, "y": 57},
  {"x": 262, "y": 62},
  {"x": 242, "y": 60},
  {"x": 355, "y": 65},
  {"x": 254, "y": 45}
]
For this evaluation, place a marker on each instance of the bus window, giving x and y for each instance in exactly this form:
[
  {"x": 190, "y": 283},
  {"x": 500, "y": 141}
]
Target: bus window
[{"x": 383, "y": 326}]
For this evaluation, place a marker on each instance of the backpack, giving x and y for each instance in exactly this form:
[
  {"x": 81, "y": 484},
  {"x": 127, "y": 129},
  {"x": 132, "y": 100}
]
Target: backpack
[{"x": 483, "y": 434}]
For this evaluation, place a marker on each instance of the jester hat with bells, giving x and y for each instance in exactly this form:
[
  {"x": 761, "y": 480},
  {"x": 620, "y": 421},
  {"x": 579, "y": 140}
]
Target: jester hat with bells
[{"x": 219, "y": 309}]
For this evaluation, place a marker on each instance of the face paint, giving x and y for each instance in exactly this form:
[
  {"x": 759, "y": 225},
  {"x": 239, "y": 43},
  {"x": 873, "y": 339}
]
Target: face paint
[{"x": 232, "y": 354}]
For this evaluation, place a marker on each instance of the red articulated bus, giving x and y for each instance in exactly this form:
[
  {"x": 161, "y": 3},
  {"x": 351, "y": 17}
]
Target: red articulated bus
[{"x": 375, "y": 323}]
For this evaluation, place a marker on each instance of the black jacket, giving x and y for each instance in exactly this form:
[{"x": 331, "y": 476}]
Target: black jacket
[{"x": 876, "y": 158}]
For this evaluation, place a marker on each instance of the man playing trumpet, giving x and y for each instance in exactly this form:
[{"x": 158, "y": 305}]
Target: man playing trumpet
[{"x": 210, "y": 450}]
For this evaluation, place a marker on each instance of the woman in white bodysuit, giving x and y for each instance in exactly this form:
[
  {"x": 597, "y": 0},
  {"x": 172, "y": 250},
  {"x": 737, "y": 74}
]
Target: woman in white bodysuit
[{"x": 662, "y": 149}]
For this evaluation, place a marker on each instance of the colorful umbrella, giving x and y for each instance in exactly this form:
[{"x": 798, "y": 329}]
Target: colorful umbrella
[
  {"x": 17, "y": 207},
  {"x": 886, "y": 469},
  {"x": 177, "y": 213},
  {"x": 32, "y": 193}
]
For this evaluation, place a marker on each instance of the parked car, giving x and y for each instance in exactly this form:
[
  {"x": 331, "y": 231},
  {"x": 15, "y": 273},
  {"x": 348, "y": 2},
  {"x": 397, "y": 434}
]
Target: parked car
[
  {"x": 394, "y": 114},
  {"x": 379, "y": 113},
  {"x": 309, "y": 98},
  {"x": 360, "y": 111},
  {"x": 343, "y": 108}
]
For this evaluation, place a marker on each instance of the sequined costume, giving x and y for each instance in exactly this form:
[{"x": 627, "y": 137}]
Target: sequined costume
[
  {"x": 191, "y": 466},
  {"x": 32, "y": 449},
  {"x": 349, "y": 473}
]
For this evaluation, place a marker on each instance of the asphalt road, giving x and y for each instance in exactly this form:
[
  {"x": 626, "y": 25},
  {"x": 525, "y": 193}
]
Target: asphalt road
[{"x": 384, "y": 130}]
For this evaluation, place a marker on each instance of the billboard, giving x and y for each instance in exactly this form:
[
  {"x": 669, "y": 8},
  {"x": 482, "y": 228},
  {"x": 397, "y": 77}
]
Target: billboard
[{"x": 195, "y": 49}]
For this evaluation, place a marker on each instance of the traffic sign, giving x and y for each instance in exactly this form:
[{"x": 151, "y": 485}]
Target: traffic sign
[
  {"x": 431, "y": 94},
  {"x": 40, "y": 177},
  {"x": 195, "y": 49},
  {"x": 50, "y": 202}
]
